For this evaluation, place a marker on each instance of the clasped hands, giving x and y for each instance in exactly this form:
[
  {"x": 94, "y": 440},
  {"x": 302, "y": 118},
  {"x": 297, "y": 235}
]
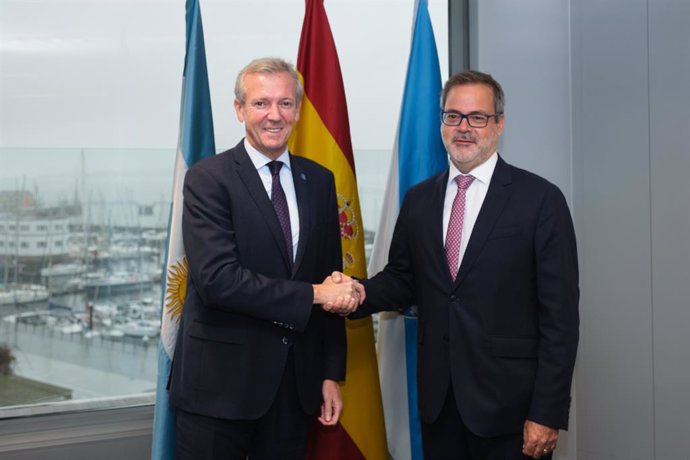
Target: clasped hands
[{"x": 339, "y": 294}]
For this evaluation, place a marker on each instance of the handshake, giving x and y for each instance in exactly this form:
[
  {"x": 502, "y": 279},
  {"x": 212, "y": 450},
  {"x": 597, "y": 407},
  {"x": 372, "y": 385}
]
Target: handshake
[{"x": 339, "y": 294}]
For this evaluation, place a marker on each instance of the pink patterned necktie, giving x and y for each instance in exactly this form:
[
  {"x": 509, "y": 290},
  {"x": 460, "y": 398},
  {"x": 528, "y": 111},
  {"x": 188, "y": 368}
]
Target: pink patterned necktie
[{"x": 457, "y": 216}]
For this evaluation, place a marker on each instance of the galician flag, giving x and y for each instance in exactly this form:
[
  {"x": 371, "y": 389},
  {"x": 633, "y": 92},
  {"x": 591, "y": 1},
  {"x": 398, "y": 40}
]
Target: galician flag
[
  {"x": 194, "y": 143},
  {"x": 417, "y": 154},
  {"x": 323, "y": 135}
]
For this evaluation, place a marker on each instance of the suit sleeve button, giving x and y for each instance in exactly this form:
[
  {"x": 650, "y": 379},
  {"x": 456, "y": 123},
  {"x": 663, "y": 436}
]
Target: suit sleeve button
[{"x": 285, "y": 340}]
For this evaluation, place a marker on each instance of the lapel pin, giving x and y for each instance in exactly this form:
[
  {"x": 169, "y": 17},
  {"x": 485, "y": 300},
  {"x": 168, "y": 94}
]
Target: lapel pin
[{"x": 302, "y": 176}]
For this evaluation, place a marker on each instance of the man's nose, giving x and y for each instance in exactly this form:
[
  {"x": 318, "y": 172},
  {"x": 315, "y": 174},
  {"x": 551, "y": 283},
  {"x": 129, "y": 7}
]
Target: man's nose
[
  {"x": 464, "y": 124},
  {"x": 274, "y": 112}
]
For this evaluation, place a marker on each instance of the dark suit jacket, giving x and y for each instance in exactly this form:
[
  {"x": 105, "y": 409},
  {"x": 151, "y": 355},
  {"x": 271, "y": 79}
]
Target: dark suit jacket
[
  {"x": 506, "y": 331},
  {"x": 244, "y": 307}
]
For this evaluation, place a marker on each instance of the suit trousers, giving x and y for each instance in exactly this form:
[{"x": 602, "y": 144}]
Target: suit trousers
[
  {"x": 279, "y": 434},
  {"x": 448, "y": 438}
]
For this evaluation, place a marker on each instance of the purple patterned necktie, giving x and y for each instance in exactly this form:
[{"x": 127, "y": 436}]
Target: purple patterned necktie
[
  {"x": 280, "y": 205},
  {"x": 457, "y": 216}
]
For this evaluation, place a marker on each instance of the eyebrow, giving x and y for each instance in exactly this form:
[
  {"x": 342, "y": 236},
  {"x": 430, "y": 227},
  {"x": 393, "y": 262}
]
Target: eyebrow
[{"x": 475, "y": 112}]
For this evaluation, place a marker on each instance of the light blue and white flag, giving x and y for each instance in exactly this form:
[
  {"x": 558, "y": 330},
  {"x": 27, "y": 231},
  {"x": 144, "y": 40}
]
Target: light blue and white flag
[
  {"x": 417, "y": 154},
  {"x": 194, "y": 143}
]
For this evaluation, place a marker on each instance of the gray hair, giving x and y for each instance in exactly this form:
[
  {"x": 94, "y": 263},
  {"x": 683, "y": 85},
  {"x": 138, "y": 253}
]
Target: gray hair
[
  {"x": 468, "y": 77},
  {"x": 267, "y": 65}
]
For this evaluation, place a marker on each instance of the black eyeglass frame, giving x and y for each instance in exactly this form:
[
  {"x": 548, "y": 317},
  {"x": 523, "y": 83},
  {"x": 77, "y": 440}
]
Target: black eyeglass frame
[{"x": 474, "y": 124}]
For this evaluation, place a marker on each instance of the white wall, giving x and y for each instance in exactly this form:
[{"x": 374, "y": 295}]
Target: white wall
[
  {"x": 85, "y": 74},
  {"x": 631, "y": 67},
  {"x": 598, "y": 102}
]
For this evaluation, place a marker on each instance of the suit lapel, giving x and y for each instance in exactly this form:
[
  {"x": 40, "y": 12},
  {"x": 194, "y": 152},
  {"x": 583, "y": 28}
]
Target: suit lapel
[
  {"x": 300, "y": 180},
  {"x": 436, "y": 225},
  {"x": 255, "y": 189},
  {"x": 496, "y": 199}
]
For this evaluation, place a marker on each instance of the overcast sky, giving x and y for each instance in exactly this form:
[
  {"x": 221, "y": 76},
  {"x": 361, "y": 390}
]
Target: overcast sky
[{"x": 107, "y": 73}]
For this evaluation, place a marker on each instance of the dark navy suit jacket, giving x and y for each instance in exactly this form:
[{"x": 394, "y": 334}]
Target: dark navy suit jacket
[
  {"x": 245, "y": 307},
  {"x": 506, "y": 331}
]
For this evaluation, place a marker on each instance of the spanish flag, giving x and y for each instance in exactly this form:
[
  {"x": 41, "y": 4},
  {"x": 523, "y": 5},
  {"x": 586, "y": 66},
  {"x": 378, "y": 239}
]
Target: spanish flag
[{"x": 323, "y": 135}]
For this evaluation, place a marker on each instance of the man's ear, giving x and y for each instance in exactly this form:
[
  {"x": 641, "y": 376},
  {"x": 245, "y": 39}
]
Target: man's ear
[{"x": 239, "y": 111}]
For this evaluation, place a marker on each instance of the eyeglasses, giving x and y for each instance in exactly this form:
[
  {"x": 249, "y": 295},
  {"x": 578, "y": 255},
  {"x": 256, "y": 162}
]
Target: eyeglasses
[{"x": 475, "y": 120}]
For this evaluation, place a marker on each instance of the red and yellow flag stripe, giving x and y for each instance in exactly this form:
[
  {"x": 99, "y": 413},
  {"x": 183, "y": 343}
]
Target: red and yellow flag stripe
[{"x": 323, "y": 135}]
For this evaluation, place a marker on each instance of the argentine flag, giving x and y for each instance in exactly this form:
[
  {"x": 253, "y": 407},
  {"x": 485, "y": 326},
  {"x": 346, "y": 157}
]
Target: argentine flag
[
  {"x": 194, "y": 143},
  {"x": 417, "y": 154}
]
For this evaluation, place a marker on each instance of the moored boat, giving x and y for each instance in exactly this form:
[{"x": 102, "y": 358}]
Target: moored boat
[{"x": 19, "y": 294}]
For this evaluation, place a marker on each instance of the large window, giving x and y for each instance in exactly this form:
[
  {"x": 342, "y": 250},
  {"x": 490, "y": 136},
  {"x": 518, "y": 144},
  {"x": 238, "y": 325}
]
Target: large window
[{"x": 89, "y": 108}]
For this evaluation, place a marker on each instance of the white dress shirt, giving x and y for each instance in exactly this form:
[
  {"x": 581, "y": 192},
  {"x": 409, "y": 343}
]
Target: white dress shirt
[
  {"x": 474, "y": 198},
  {"x": 261, "y": 162}
]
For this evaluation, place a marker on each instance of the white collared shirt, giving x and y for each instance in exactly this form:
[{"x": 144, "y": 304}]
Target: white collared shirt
[
  {"x": 261, "y": 162},
  {"x": 474, "y": 198}
]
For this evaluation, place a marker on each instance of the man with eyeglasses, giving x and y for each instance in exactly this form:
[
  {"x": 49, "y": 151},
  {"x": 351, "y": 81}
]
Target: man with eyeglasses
[{"x": 487, "y": 253}]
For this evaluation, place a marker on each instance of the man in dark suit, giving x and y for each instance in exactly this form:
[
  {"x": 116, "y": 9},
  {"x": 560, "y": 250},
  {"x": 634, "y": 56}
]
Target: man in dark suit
[
  {"x": 487, "y": 253},
  {"x": 255, "y": 356}
]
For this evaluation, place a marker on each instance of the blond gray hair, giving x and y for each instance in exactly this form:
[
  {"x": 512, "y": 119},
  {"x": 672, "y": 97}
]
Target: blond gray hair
[{"x": 269, "y": 65}]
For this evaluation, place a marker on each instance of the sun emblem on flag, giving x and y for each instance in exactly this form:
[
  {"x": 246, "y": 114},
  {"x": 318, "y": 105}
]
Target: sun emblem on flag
[{"x": 176, "y": 288}]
